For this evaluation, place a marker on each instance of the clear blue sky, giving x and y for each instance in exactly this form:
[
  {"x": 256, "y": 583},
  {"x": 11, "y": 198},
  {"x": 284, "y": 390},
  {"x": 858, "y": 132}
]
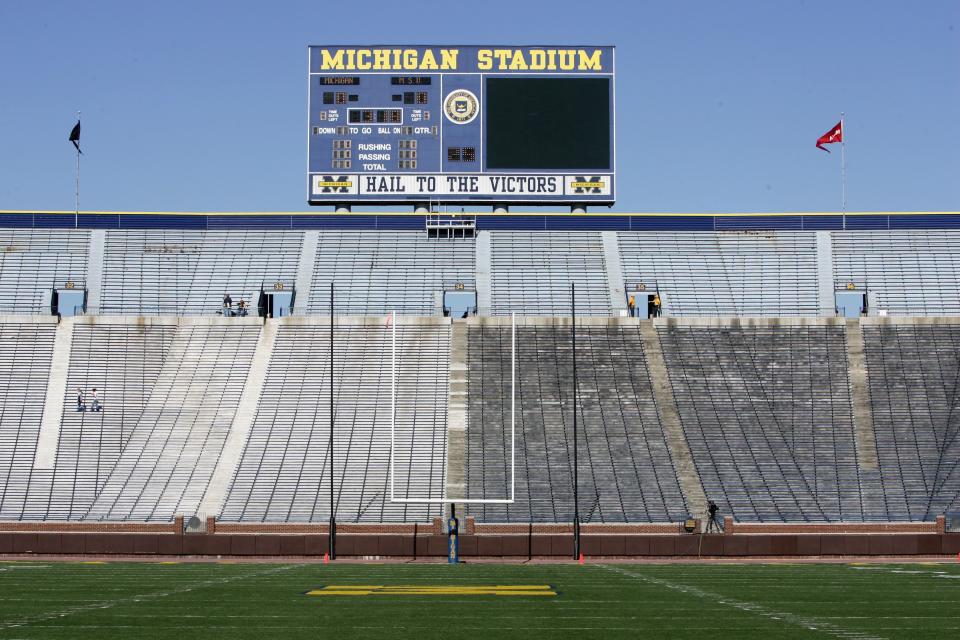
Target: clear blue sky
[{"x": 197, "y": 106}]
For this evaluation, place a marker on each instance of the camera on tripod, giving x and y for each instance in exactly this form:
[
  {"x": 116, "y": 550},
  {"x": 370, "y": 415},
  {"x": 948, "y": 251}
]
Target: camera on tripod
[{"x": 714, "y": 525}]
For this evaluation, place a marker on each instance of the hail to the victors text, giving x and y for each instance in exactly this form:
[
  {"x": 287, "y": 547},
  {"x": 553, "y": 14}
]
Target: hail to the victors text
[{"x": 454, "y": 184}]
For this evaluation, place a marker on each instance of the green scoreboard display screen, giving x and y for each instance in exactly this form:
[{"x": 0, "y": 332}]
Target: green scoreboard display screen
[{"x": 528, "y": 123}]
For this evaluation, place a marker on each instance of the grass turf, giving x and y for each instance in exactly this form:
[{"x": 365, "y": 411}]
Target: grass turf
[{"x": 184, "y": 601}]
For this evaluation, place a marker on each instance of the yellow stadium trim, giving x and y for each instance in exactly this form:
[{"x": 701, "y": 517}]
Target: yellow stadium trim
[{"x": 564, "y": 214}]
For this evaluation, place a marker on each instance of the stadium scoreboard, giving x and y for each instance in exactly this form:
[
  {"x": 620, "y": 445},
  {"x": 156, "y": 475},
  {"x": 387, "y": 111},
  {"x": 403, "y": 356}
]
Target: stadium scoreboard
[{"x": 461, "y": 124}]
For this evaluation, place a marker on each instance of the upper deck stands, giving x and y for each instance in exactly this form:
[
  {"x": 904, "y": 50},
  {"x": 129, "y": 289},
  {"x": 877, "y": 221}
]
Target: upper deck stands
[
  {"x": 698, "y": 273},
  {"x": 725, "y": 273},
  {"x": 914, "y": 272},
  {"x": 188, "y": 272},
  {"x": 33, "y": 262},
  {"x": 402, "y": 271},
  {"x": 531, "y": 273}
]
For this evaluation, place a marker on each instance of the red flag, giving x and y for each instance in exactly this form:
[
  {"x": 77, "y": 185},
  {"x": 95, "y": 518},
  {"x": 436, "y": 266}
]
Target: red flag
[{"x": 834, "y": 135}]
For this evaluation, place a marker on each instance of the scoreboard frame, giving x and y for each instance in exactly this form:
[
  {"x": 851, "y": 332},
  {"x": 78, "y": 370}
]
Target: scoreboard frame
[{"x": 352, "y": 158}]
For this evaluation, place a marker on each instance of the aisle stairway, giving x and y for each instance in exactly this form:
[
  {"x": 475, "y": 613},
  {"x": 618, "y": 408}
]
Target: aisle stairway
[
  {"x": 284, "y": 472},
  {"x": 766, "y": 410},
  {"x": 122, "y": 359},
  {"x": 26, "y": 349},
  {"x": 173, "y": 448}
]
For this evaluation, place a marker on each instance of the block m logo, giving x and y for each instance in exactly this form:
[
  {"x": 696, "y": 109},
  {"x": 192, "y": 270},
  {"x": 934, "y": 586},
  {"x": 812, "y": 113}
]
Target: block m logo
[
  {"x": 587, "y": 184},
  {"x": 334, "y": 184}
]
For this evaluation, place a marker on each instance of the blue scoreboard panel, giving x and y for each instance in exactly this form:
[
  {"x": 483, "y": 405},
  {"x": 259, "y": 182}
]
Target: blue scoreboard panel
[{"x": 461, "y": 124}]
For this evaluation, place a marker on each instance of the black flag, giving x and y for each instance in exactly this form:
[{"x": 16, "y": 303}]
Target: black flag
[{"x": 75, "y": 136}]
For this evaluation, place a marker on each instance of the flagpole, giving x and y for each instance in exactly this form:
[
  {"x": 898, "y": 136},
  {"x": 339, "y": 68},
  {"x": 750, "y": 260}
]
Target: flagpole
[
  {"x": 843, "y": 171},
  {"x": 76, "y": 213}
]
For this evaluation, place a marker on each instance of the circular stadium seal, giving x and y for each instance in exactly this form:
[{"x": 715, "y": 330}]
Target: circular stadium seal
[{"x": 461, "y": 106}]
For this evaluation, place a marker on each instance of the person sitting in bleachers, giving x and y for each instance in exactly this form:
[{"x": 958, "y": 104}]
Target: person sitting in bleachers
[
  {"x": 227, "y": 305},
  {"x": 81, "y": 402},
  {"x": 95, "y": 402},
  {"x": 242, "y": 308}
]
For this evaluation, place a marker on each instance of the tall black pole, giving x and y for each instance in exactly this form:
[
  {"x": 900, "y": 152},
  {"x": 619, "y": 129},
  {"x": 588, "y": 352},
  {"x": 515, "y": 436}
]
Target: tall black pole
[
  {"x": 576, "y": 483},
  {"x": 332, "y": 534}
]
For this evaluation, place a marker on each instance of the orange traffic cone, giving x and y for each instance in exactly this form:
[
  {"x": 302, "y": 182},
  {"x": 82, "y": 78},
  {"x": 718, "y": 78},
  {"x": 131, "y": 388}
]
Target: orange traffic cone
[
  {"x": 581, "y": 558},
  {"x": 326, "y": 558}
]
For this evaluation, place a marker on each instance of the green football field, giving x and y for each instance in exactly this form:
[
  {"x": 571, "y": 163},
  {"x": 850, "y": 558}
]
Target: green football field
[{"x": 193, "y": 600}]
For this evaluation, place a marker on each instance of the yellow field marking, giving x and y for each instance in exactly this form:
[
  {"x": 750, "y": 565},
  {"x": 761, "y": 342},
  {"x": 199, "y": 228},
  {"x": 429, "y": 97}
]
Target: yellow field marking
[
  {"x": 93, "y": 562},
  {"x": 168, "y": 562},
  {"x": 434, "y": 590}
]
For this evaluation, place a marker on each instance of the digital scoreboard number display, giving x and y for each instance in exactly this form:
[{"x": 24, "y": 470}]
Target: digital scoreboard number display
[{"x": 461, "y": 125}]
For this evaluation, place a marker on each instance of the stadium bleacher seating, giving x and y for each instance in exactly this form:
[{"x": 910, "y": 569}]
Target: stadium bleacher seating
[
  {"x": 914, "y": 273},
  {"x": 26, "y": 350},
  {"x": 174, "y": 444},
  {"x": 766, "y": 411},
  {"x": 284, "y": 472},
  {"x": 122, "y": 361},
  {"x": 35, "y": 261},
  {"x": 734, "y": 273},
  {"x": 625, "y": 474},
  {"x": 187, "y": 272},
  {"x": 765, "y": 399},
  {"x": 402, "y": 271},
  {"x": 702, "y": 273},
  {"x": 914, "y": 372},
  {"x": 531, "y": 272}
]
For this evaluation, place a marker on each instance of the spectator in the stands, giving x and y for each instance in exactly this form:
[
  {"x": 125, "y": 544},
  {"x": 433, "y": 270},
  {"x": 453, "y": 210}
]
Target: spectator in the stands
[
  {"x": 81, "y": 403},
  {"x": 227, "y": 305},
  {"x": 242, "y": 308},
  {"x": 656, "y": 305},
  {"x": 95, "y": 400},
  {"x": 632, "y": 305}
]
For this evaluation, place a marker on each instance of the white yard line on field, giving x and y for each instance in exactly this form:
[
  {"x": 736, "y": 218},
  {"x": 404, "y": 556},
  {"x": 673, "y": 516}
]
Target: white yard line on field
[
  {"x": 107, "y": 604},
  {"x": 804, "y": 622}
]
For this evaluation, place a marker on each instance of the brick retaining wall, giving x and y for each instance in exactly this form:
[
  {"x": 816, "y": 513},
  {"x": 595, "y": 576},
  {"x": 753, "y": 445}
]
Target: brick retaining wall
[{"x": 398, "y": 545}]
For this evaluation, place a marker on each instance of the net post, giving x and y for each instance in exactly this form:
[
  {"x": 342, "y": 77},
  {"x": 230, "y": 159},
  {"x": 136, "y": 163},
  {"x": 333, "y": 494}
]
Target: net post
[
  {"x": 576, "y": 483},
  {"x": 332, "y": 527},
  {"x": 393, "y": 400},
  {"x": 513, "y": 405}
]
